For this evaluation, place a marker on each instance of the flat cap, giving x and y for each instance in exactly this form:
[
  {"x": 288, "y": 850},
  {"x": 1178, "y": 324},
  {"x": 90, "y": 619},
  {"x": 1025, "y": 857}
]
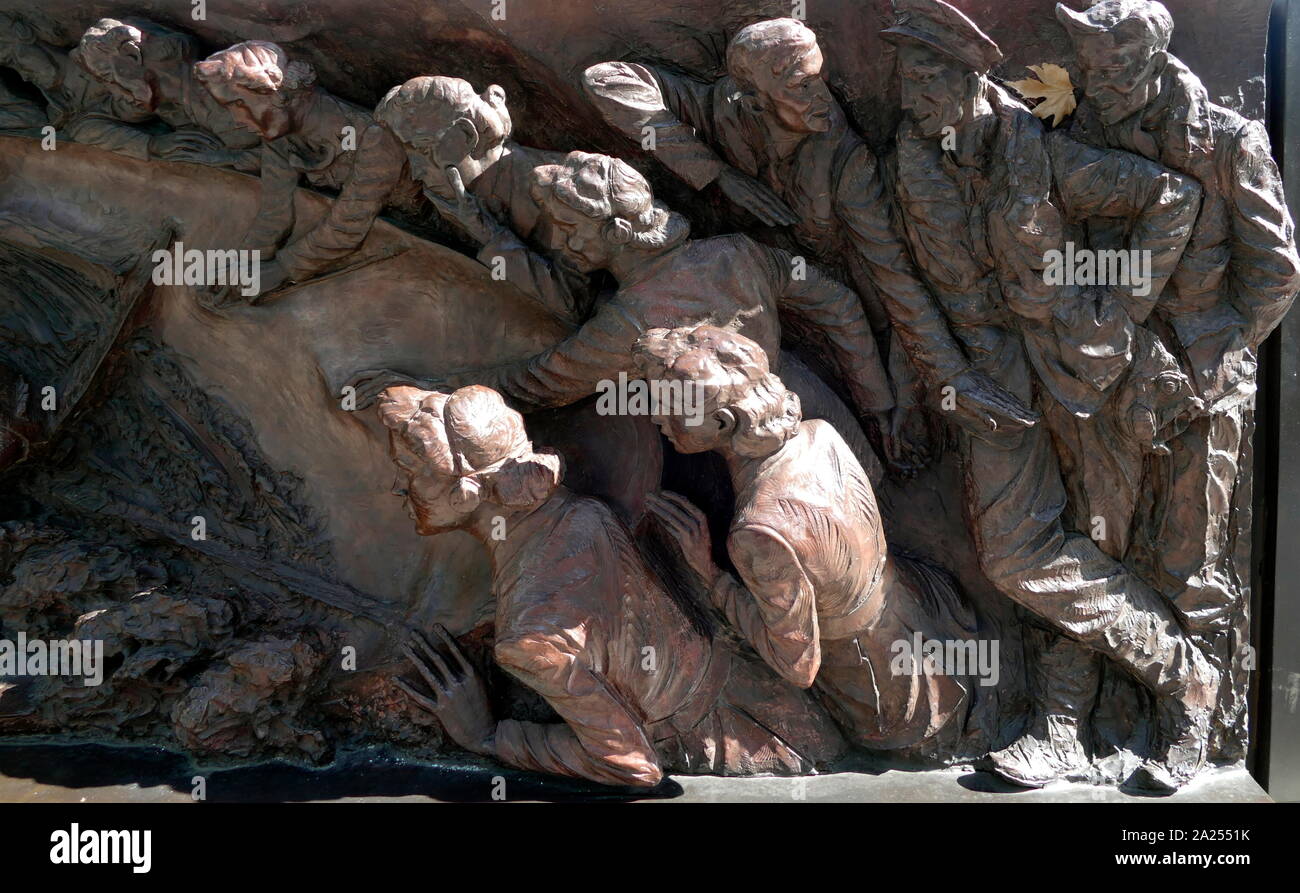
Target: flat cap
[{"x": 942, "y": 27}]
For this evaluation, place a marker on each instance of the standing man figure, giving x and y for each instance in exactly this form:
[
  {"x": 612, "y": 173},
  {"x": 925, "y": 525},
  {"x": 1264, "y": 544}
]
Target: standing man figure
[
  {"x": 1236, "y": 281},
  {"x": 982, "y": 208}
]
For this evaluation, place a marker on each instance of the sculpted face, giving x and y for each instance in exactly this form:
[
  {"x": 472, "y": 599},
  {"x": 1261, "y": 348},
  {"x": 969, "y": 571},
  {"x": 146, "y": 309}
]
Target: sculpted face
[
  {"x": 1118, "y": 79},
  {"x": 711, "y": 434},
  {"x": 798, "y": 96},
  {"x": 125, "y": 76},
  {"x": 580, "y": 238},
  {"x": 430, "y": 498},
  {"x": 933, "y": 89},
  {"x": 433, "y": 144},
  {"x": 263, "y": 113}
]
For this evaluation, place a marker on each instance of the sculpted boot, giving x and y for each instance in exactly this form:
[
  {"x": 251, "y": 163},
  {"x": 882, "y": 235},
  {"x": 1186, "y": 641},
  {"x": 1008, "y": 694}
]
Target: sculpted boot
[
  {"x": 1064, "y": 677},
  {"x": 1182, "y": 731},
  {"x": 1151, "y": 643}
]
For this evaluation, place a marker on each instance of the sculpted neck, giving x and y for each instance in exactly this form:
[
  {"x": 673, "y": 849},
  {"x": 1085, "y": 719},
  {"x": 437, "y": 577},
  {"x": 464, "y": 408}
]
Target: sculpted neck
[
  {"x": 495, "y": 526},
  {"x": 630, "y": 263},
  {"x": 975, "y": 130}
]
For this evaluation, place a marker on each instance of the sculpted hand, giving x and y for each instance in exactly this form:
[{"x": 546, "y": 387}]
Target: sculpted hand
[
  {"x": 985, "y": 406},
  {"x": 755, "y": 198},
  {"x": 368, "y": 384},
  {"x": 186, "y": 145},
  {"x": 465, "y": 210},
  {"x": 455, "y": 691},
  {"x": 689, "y": 528},
  {"x": 909, "y": 446}
]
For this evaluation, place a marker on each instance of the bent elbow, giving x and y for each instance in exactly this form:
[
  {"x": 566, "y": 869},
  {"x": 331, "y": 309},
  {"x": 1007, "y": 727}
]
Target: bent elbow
[{"x": 803, "y": 672}]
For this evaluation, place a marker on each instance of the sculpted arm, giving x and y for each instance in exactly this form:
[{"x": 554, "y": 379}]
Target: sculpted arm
[
  {"x": 600, "y": 738},
  {"x": 375, "y": 171},
  {"x": 275, "y": 214},
  {"x": 569, "y": 371},
  {"x": 1264, "y": 274},
  {"x": 921, "y": 326},
  {"x": 632, "y": 97},
  {"x": 1163, "y": 205},
  {"x": 772, "y": 604},
  {"x": 835, "y": 314}
]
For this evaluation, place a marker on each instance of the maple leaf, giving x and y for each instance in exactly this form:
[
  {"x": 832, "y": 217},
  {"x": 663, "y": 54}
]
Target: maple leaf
[{"x": 1054, "y": 89}]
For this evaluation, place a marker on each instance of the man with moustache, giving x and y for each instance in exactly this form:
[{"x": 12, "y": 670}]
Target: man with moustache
[
  {"x": 1237, "y": 279},
  {"x": 985, "y": 195}
]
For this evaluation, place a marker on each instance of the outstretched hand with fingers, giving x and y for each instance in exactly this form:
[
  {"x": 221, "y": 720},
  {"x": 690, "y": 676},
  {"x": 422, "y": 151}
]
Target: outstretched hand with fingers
[
  {"x": 688, "y": 526},
  {"x": 456, "y": 694}
]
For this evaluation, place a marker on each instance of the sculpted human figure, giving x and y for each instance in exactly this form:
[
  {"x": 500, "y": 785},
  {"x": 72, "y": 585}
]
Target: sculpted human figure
[
  {"x": 79, "y": 107},
  {"x": 1236, "y": 281},
  {"x": 776, "y": 142},
  {"x": 580, "y": 619},
  {"x": 151, "y": 70},
  {"x": 816, "y": 592},
  {"x": 1003, "y": 177},
  {"x": 602, "y": 215},
  {"x": 458, "y": 142},
  {"x": 308, "y": 132}
]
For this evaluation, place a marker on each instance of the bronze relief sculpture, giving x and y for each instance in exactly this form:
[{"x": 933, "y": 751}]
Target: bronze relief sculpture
[{"x": 675, "y": 352}]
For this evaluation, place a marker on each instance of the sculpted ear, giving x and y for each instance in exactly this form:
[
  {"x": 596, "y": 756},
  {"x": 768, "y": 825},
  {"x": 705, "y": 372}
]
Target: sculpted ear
[
  {"x": 1159, "y": 61},
  {"x": 727, "y": 421},
  {"x": 466, "y": 494},
  {"x": 618, "y": 231},
  {"x": 495, "y": 95},
  {"x": 751, "y": 102}
]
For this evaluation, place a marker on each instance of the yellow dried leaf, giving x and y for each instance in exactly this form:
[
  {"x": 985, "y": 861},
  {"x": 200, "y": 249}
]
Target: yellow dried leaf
[{"x": 1053, "y": 87}]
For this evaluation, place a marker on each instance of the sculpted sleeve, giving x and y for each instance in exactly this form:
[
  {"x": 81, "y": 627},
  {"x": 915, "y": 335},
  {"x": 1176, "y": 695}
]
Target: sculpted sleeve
[
  {"x": 632, "y": 97},
  {"x": 534, "y": 274},
  {"x": 572, "y": 369},
  {"x": 101, "y": 130},
  {"x": 1093, "y": 182},
  {"x": 834, "y": 314},
  {"x": 864, "y": 209},
  {"x": 376, "y": 169},
  {"x": 1264, "y": 271},
  {"x": 774, "y": 608},
  {"x": 275, "y": 214},
  {"x": 600, "y": 738}
]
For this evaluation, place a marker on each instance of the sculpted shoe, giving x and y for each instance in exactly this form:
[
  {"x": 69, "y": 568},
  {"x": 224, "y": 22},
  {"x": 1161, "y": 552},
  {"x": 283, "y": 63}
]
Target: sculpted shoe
[
  {"x": 1064, "y": 676},
  {"x": 1046, "y": 753},
  {"x": 1182, "y": 730}
]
